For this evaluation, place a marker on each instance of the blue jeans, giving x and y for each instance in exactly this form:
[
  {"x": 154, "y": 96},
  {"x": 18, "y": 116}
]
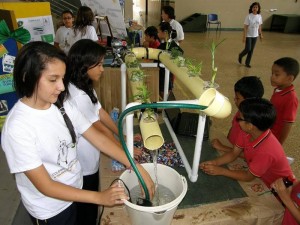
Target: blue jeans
[{"x": 249, "y": 48}]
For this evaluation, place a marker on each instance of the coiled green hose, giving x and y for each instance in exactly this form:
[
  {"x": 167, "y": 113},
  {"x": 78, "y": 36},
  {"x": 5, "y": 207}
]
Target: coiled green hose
[{"x": 145, "y": 106}]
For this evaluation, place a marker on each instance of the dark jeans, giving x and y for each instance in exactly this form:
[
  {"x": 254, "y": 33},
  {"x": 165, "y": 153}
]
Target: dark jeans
[
  {"x": 87, "y": 213},
  {"x": 66, "y": 217},
  {"x": 249, "y": 48}
]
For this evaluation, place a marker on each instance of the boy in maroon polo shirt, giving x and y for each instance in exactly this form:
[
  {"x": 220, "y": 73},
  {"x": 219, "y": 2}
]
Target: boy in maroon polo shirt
[
  {"x": 246, "y": 87},
  {"x": 284, "y": 98},
  {"x": 263, "y": 153}
]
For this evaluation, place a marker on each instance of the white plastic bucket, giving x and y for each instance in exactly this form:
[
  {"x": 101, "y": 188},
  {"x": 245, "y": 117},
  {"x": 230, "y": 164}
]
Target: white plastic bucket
[
  {"x": 157, "y": 215},
  {"x": 218, "y": 105}
]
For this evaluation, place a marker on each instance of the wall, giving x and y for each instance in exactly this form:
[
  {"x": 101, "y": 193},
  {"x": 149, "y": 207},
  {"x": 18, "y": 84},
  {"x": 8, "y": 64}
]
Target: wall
[{"x": 232, "y": 12}]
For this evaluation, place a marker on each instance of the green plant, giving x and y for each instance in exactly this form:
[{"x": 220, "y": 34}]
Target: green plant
[
  {"x": 194, "y": 68},
  {"x": 179, "y": 61},
  {"x": 175, "y": 53},
  {"x": 131, "y": 38},
  {"x": 133, "y": 64},
  {"x": 212, "y": 47},
  {"x": 137, "y": 75},
  {"x": 143, "y": 95}
]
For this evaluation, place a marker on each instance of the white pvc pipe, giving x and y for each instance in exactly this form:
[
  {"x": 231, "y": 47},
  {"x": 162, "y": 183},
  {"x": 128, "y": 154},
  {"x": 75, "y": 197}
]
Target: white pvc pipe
[
  {"x": 129, "y": 128},
  {"x": 178, "y": 147},
  {"x": 166, "y": 85}
]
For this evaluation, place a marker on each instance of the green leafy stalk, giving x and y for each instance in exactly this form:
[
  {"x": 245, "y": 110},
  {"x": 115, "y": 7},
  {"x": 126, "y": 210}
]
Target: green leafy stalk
[
  {"x": 144, "y": 96},
  {"x": 213, "y": 46}
]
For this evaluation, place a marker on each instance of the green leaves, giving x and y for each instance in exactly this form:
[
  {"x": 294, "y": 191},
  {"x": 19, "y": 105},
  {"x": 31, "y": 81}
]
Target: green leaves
[{"x": 212, "y": 47}]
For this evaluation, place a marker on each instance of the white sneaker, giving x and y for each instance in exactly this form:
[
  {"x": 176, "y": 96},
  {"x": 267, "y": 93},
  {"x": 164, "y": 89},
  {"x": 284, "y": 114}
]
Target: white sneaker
[{"x": 290, "y": 159}]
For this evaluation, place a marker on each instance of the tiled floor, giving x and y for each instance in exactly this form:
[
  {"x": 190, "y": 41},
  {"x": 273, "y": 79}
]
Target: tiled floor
[{"x": 274, "y": 46}]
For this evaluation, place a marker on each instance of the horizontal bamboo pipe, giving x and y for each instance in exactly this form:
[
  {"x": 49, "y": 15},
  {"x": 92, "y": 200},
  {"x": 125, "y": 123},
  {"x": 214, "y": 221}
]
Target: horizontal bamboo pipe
[{"x": 194, "y": 84}]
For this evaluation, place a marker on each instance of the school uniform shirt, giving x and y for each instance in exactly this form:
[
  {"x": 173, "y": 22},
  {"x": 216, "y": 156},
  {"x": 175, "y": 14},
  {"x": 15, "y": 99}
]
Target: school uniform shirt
[
  {"x": 154, "y": 44},
  {"x": 235, "y": 129},
  {"x": 62, "y": 38},
  {"x": 179, "y": 30},
  {"x": 253, "y": 21},
  {"x": 90, "y": 34},
  {"x": 31, "y": 138},
  {"x": 265, "y": 157},
  {"x": 286, "y": 104},
  {"x": 288, "y": 218},
  {"x": 88, "y": 155}
]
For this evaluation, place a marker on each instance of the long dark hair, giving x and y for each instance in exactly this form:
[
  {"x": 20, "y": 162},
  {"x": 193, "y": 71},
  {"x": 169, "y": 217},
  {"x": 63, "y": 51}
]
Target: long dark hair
[
  {"x": 85, "y": 54},
  {"x": 84, "y": 18},
  {"x": 30, "y": 62}
]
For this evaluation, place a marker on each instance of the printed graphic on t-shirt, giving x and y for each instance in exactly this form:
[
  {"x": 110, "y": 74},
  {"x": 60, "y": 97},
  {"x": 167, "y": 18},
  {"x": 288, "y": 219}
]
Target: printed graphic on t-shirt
[{"x": 63, "y": 153}]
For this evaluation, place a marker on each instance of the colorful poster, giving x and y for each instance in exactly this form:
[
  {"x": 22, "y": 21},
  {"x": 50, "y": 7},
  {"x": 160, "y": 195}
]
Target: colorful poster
[
  {"x": 40, "y": 28},
  {"x": 8, "y": 52},
  {"x": 8, "y": 96}
]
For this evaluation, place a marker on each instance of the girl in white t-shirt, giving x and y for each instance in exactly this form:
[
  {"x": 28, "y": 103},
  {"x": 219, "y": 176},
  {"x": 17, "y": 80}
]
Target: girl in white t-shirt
[
  {"x": 252, "y": 29},
  {"x": 85, "y": 65},
  {"x": 39, "y": 139},
  {"x": 168, "y": 15},
  {"x": 62, "y": 34},
  {"x": 83, "y": 26}
]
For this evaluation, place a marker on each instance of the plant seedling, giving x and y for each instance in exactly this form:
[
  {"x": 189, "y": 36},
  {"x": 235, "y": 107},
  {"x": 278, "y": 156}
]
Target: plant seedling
[
  {"x": 194, "y": 69},
  {"x": 137, "y": 75}
]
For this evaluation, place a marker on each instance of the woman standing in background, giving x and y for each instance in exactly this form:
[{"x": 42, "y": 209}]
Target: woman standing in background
[
  {"x": 252, "y": 29},
  {"x": 168, "y": 15},
  {"x": 83, "y": 26}
]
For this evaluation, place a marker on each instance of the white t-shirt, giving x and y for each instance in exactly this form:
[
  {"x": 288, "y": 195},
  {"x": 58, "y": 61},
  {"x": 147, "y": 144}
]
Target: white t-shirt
[
  {"x": 31, "y": 138},
  {"x": 62, "y": 38},
  {"x": 88, "y": 155},
  {"x": 253, "y": 22},
  {"x": 90, "y": 34},
  {"x": 177, "y": 26}
]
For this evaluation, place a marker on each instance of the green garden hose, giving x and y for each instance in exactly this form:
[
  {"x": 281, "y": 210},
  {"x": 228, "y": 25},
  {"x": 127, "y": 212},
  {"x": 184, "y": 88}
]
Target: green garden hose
[{"x": 147, "y": 106}]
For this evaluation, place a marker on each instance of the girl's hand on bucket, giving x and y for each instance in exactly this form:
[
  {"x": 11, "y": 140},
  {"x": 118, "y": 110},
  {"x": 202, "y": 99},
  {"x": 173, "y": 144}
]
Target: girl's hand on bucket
[
  {"x": 148, "y": 180},
  {"x": 114, "y": 195}
]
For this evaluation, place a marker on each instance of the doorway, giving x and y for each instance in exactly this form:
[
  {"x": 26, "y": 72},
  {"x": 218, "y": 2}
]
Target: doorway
[{"x": 147, "y": 12}]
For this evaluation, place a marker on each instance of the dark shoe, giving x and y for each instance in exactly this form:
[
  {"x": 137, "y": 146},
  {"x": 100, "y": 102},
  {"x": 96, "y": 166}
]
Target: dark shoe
[
  {"x": 240, "y": 59},
  {"x": 247, "y": 65}
]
